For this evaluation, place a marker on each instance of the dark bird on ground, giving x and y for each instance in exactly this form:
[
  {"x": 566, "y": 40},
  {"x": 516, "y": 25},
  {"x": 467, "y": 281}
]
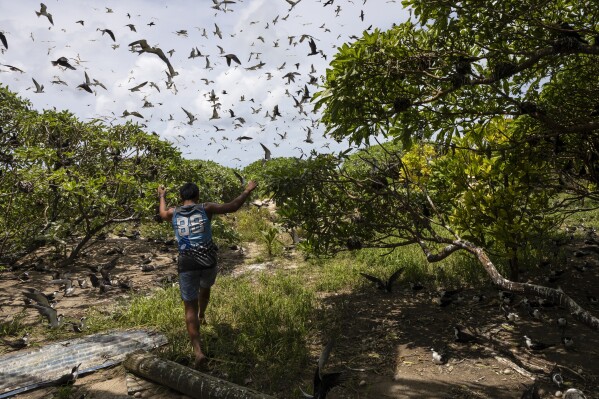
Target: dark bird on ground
[
  {"x": 267, "y": 152},
  {"x": 50, "y": 314},
  {"x": 313, "y": 50},
  {"x": 232, "y": 57},
  {"x": 462, "y": 337},
  {"x": 568, "y": 342},
  {"x": 324, "y": 382},
  {"x": 146, "y": 48},
  {"x": 109, "y": 32},
  {"x": 3, "y": 40},
  {"x": 44, "y": 11},
  {"x": 66, "y": 379},
  {"x": 63, "y": 62},
  {"x": 416, "y": 286},
  {"x": 532, "y": 392},
  {"x": 85, "y": 85},
  {"x": 439, "y": 357},
  {"x": 536, "y": 345},
  {"x": 94, "y": 280},
  {"x": 80, "y": 325},
  {"x": 38, "y": 88},
  {"x": 191, "y": 116},
  {"x": 509, "y": 316},
  {"x": 386, "y": 286},
  {"x": 19, "y": 343},
  {"x": 139, "y": 86}
]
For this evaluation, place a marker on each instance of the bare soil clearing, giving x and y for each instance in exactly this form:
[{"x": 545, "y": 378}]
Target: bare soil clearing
[{"x": 385, "y": 339}]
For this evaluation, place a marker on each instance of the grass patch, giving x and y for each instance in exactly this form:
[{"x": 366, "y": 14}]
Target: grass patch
[
  {"x": 13, "y": 326},
  {"x": 255, "y": 328}
]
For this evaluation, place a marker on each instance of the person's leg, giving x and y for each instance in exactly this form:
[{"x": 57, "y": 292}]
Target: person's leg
[
  {"x": 203, "y": 300},
  {"x": 193, "y": 330},
  {"x": 208, "y": 277},
  {"x": 189, "y": 283}
]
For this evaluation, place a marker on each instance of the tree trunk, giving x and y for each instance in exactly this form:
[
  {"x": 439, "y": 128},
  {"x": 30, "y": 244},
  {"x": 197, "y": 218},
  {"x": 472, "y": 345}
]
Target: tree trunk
[
  {"x": 556, "y": 296},
  {"x": 185, "y": 380}
]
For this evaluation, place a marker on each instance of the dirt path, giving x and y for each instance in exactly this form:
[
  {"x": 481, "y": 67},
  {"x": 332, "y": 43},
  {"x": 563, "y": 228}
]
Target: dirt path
[{"x": 385, "y": 338}]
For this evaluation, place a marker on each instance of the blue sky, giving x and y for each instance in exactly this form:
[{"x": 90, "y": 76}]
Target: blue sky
[{"x": 256, "y": 31}]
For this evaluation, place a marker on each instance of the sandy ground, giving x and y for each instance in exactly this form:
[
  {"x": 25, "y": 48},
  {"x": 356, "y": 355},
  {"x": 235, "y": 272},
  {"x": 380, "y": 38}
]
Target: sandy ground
[{"x": 385, "y": 341}]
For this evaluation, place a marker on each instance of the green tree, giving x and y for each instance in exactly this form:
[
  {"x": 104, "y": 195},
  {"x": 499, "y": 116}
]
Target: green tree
[
  {"x": 63, "y": 178},
  {"x": 503, "y": 91}
]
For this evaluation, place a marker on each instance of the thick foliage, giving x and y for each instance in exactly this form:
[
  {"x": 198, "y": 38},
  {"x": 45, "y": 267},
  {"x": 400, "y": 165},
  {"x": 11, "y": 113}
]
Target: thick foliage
[{"x": 459, "y": 64}]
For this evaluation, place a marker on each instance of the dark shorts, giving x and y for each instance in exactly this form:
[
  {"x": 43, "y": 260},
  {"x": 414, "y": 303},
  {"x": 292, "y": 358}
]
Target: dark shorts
[{"x": 191, "y": 281}]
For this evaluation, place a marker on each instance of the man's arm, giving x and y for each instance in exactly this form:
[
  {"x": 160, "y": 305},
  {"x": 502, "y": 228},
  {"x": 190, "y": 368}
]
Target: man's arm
[
  {"x": 165, "y": 214},
  {"x": 230, "y": 207}
]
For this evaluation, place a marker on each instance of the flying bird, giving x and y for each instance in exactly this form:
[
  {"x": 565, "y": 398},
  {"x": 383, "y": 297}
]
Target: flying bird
[
  {"x": 63, "y": 62},
  {"x": 131, "y": 27},
  {"x": 44, "y": 11},
  {"x": 313, "y": 50},
  {"x": 109, "y": 32},
  {"x": 85, "y": 85},
  {"x": 324, "y": 382},
  {"x": 3, "y": 40},
  {"x": 139, "y": 86},
  {"x": 38, "y": 88},
  {"x": 217, "y": 32},
  {"x": 191, "y": 116},
  {"x": 54, "y": 320},
  {"x": 267, "y": 152},
  {"x": 232, "y": 57},
  {"x": 146, "y": 48},
  {"x": 386, "y": 286}
]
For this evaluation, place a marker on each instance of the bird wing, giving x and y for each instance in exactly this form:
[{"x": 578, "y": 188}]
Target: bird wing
[
  {"x": 375, "y": 280},
  {"x": 266, "y": 152},
  {"x": 395, "y": 275},
  {"x": 324, "y": 356},
  {"x": 241, "y": 179},
  {"x": 47, "y": 312},
  {"x": 110, "y": 34},
  {"x": 234, "y": 58},
  {"x": 87, "y": 82},
  {"x": 37, "y": 85},
  {"x": 3, "y": 39}
]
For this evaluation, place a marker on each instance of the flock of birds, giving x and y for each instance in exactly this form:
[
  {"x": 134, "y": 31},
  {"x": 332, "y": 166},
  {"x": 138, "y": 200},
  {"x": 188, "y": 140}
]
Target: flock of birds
[{"x": 289, "y": 122}]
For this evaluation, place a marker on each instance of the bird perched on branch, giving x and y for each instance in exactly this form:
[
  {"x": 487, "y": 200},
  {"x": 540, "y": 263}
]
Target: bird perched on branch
[{"x": 386, "y": 286}]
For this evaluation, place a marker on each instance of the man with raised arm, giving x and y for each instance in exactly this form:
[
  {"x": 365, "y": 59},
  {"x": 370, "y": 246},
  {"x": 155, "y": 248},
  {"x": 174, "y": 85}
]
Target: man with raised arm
[{"x": 197, "y": 264}]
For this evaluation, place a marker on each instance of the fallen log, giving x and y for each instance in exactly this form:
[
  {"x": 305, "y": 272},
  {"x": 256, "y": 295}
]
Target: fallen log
[{"x": 190, "y": 382}]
